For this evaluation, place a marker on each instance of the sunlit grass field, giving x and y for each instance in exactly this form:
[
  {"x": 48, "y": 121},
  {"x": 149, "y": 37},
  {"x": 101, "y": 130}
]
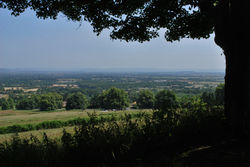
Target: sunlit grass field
[
  {"x": 14, "y": 117},
  {"x": 51, "y": 133},
  {"x": 22, "y": 117}
]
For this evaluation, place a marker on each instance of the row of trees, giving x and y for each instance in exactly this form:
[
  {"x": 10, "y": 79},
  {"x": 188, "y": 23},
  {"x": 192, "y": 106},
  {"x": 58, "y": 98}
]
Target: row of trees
[
  {"x": 44, "y": 102},
  {"x": 114, "y": 98},
  {"x": 165, "y": 100}
]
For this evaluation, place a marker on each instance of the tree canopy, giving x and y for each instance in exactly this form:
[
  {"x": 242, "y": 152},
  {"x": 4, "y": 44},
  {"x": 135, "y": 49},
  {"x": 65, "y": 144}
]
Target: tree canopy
[
  {"x": 165, "y": 101},
  {"x": 26, "y": 103},
  {"x": 76, "y": 101},
  {"x": 50, "y": 101},
  {"x": 114, "y": 98},
  {"x": 7, "y": 104},
  {"x": 180, "y": 18},
  {"x": 145, "y": 99}
]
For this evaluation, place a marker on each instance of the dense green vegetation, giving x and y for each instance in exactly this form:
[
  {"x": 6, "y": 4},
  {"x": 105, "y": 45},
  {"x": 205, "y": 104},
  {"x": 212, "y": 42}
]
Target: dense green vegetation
[
  {"x": 177, "y": 120},
  {"x": 147, "y": 140},
  {"x": 27, "y": 103},
  {"x": 41, "y": 90},
  {"x": 165, "y": 100},
  {"x": 6, "y": 104},
  {"x": 76, "y": 101},
  {"x": 113, "y": 98},
  {"x": 50, "y": 101},
  {"x": 91, "y": 84},
  {"x": 145, "y": 99}
]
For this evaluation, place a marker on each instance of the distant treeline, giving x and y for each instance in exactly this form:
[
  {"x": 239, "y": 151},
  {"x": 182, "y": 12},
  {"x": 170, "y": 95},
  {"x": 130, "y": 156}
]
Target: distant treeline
[
  {"x": 91, "y": 84},
  {"x": 112, "y": 98}
]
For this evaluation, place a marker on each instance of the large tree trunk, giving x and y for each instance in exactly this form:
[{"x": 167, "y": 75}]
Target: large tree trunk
[{"x": 231, "y": 32}]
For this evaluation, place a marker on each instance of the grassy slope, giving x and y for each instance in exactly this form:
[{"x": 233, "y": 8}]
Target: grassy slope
[
  {"x": 19, "y": 117},
  {"x": 32, "y": 117}
]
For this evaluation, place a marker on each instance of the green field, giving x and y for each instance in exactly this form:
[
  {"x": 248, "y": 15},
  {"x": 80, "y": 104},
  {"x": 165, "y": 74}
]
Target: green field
[
  {"x": 33, "y": 117},
  {"x": 20, "y": 117},
  {"x": 13, "y": 117}
]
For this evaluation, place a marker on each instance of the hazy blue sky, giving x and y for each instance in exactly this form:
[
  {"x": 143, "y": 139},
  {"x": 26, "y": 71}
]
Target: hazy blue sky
[{"x": 28, "y": 42}]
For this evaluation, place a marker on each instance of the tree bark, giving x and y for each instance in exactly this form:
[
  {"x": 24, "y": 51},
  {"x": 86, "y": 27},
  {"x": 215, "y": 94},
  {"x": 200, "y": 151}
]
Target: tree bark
[{"x": 231, "y": 34}]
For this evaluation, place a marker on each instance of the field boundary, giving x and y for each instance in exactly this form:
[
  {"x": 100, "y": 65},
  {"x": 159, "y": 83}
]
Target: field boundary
[{"x": 59, "y": 123}]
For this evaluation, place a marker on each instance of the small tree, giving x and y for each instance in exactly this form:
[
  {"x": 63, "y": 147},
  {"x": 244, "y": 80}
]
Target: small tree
[
  {"x": 76, "y": 101},
  {"x": 114, "y": 98},
  {"x": 165, "y": 101},
  {"x": 50, "y": 101},
  {"x": 166, "y": 105},
  {"x": 145, "y": 99}
]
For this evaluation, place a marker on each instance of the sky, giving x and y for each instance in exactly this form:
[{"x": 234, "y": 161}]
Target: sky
[{"x": 30, "y": 43}]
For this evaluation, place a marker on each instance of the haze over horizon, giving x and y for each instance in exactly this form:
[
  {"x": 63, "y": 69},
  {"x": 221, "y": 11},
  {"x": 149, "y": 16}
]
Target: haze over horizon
[{"x": 30, "y": 43}]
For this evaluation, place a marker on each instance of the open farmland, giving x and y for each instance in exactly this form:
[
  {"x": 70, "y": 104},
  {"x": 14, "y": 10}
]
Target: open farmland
[
  {"x": 16, "y": 85},
  {"x": 31, "y": 117},
  {"x": 12, "y": 118},
  {"x": 190, "y": 83}
]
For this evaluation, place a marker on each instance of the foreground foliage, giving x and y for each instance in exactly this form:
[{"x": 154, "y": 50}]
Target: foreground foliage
[{"x": 148, "y": 140}]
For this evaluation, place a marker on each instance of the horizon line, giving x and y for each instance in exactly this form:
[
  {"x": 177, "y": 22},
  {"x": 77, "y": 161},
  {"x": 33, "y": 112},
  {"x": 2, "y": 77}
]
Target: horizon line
[{"x": 112, "y": 70}]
